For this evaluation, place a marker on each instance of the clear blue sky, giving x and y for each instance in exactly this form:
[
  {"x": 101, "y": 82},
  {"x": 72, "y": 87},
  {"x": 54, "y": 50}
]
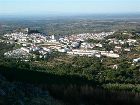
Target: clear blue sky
[{"x": 68, "y": 6}]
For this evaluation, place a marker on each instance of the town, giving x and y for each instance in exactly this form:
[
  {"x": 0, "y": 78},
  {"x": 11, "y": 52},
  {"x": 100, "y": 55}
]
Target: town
[
  {"x": 37, "y": 45},
  {"x": 44, "y": 45}
]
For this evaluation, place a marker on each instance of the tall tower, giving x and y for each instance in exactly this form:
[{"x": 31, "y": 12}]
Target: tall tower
[
  {"x": 27, "y": 30},
  {"x": 53, "y": 38}
]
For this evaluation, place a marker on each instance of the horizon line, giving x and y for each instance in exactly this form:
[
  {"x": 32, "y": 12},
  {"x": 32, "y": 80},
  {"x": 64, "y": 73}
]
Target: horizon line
[{"x": 57, "y": 15}]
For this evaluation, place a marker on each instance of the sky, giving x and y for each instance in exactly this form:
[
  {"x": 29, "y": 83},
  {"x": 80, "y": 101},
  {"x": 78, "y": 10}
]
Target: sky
[{"x": 44, "y": 7}]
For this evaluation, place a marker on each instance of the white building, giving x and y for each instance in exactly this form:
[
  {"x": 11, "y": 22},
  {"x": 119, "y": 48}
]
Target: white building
[
  {"x": 82, "y": 52},
  {"x": 110, "y": 54},
  {"x": 136, "y": 60},
  {"x": 25, "y": 49}
]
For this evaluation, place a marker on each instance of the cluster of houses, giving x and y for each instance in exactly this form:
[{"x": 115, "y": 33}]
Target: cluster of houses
[
  {"x": 18, "y": 53},
  {"x": 95, "y": 36},
  {"x": 123, "y": 45},
  {"x": 37, "y": 44},
  {"x": 25, "y": 39}
]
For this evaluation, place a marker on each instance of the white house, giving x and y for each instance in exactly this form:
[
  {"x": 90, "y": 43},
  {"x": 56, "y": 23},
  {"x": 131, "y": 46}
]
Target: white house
[
  {"x": 25, "y": 49},
  {"x": 136, "y": 60}
]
